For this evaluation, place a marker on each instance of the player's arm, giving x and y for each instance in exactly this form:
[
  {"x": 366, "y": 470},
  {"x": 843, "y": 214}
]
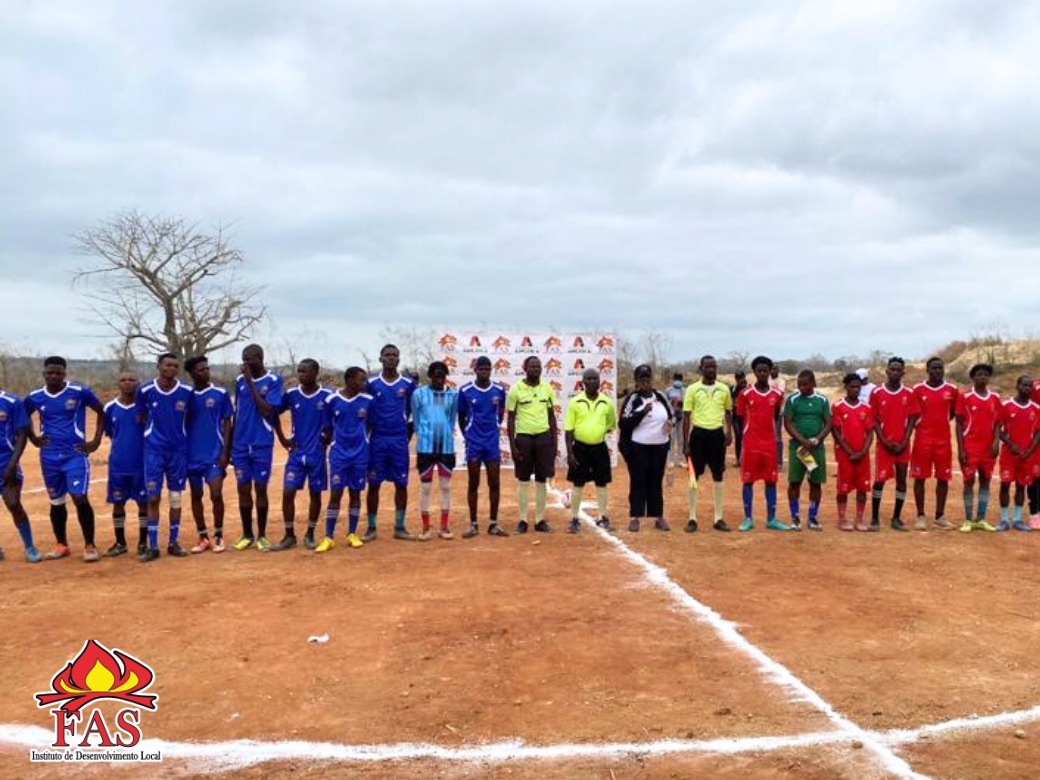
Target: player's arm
[
  {"x": 866, "y": 446},
  {"x": 99, "y": 424},
  {"x": 554, "y": 430},
  {"x": 789, "y": 426},
  {"x": 828, "y": 426},
  {"x": 37, "y": 439},
  {"x": 21, "y": 436},
  {"x": 288, "y": 442},
  {"x": 911, "y": 424},
  {"x": 1032, "y": 445},
  {"x": 839, "y": 441},
  {"x": 729, "y": 420},
  {"x": 228, "y": 427},
  {"x": 511, "y": 434},
  {"x": 570, "y": 421},
  {"x": 1005, "y": 437},
  {"x": 958, "y": 428},
  {"x": 463, "y": 411},
  {"x": 995, "y": 449},
  {"x": 263, "y": 406}
]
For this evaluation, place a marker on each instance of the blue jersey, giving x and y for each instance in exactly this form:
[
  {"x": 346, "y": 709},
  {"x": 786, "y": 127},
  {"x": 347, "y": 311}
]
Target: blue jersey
[
  {"x": 124, "y": 428},
  {"x": 12, "y": 420},
  {"x": 251, "y": 429},
  {"x": 481, "y": 410},
  {"x": 434, "y": 413},
  {"x": 351, "y": 421},
  {"x": 308, "y": 418},
  {"x": 63, "y": 417},
  {"x": 391, "y": 405},
  {"x": 166, "y": 416},
  {"x": 210, "y": 408}
]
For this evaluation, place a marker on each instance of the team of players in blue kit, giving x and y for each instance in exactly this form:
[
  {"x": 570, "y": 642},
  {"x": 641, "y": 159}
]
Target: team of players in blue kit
[{"x": 167, "y": 435}]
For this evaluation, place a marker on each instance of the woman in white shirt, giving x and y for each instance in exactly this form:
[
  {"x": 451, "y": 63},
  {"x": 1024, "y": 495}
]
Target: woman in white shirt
[{"x": 646, "y": 428}]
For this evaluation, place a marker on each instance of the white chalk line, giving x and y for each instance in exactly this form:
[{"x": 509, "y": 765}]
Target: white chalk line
[{"x": 773, "y": 670}]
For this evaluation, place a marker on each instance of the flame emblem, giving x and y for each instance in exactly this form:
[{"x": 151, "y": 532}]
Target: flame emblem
[{"x": 98, "y": 674}]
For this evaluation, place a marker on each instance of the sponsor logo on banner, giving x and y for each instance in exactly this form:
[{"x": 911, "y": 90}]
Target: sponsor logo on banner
[
  {"x": 553, "y": 344},
  {"x": 501, "y": 366},
  {"x": 82, "y": 731},
  {"x": 553, "y": 366},
  {"x": 448, "y": 342},
  {"x": 605, "y": 344},
  {"x": 501, "y": 344}
]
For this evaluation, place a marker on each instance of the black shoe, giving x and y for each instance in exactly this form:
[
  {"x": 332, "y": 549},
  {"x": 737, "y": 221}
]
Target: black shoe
[
  {"x": 308, "y": 540},
  {"x": 690, "y": 527},
  {"x": 796, "y": 524},
  {"x": 875, "y": 525},
  {"x": 472, "y": 531},
  {"x": 521, "y": 527},
  {"x": 814, "y": 524},
  {"x": 898, "y": 525},
  {"x": 542, "y": 527},
  {"x": 142, "y": 548},
  {"x": 494, "y": 529},
  {"x": 720, "y": 525},
  {"x": 287, "y": 543},
  {"x": 176, "y": 551},
  {"x": 116, "y": 549},
  {"x": 574, "y": 526},
  {"x": 149, "y": 554},
  {"x": 604, "y": 523}
]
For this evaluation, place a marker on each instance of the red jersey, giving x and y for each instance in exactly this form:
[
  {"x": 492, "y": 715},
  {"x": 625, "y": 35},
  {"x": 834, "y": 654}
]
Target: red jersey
[
  {"x": 1035, "y": 396},
  {"x": 893, "y": 410},
  {"x": 1021, "y": 422},
  {"x": 937, "y": 405},
  {"x": 759, "y": 410},
  {"x": 979, "y": 414},
  {"x": 854, "y": 422}
]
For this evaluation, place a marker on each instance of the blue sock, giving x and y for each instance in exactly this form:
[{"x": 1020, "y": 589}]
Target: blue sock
[
  {"x": 983, "y": 503},
  {"x": 1018, "y": 513},
  {"x": 25, "y": 531},
  {"x": 969, "y": 502},
  {"x": 175, "y": 531},
  {"x": 814, "y": 510},
  {"x": 796, "y": 509},
  {"x": 153, "y": 533},
  {"x": 353, "y": 516},
  {"x": 1003, "y": 514},
  {"x": 749, "y": 499},
  {"x": 371, "y": 521},
  {"x": 399, "y": 519},
  {"x": 331, "y": 516},
  {"x": 771, "y": 502}
]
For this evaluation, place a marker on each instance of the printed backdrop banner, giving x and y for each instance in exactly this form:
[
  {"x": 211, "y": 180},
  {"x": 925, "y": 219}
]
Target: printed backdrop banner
[{"x": 565, "y": 356}]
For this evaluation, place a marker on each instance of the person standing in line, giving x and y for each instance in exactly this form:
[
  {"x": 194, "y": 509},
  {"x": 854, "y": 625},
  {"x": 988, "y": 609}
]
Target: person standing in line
[
  {"x": 778, "y": 383},
  {"x": 531, "y": 424},
  {"x": 646, "y": 429},
  {"x": 209, "y": 451},
  {"x": 590, "y": 417},
  {"x": 866, "y": 386},
  {"x": 807, "y": 418},
  {"x": 853, "y": 429},
  {"x": 126, "y": 465},
  {"x": 760, "y": 406},
  {"x": 14, "y": 433},
  {"x": 739, "y": 383},
  {"x": 707, "y": 431},
  {"x": 895, "y": 416},
  {"x": 1020, "y": 433},
  {"x": 675, "y": 393},
  {"x": 435, "y": 412},
  {"x": 979, "y": 412},
  {"x": 932, "y": 452},
  {"x": 482, "y": 407}
]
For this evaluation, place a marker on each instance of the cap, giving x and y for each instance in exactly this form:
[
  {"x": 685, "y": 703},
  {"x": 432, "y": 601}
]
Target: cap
[{"x": 862, "y": 373}]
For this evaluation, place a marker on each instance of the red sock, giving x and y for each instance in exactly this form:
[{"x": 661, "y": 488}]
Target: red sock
[
  {"x": 444, "y": 519},
  {"x": 426, "y": 521}
]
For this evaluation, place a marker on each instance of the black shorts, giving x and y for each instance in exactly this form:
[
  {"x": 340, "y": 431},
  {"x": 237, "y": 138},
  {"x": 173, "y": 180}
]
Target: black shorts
[
  {"x": 538, "y": 456},
  {"x": 424, "y": 461},
  {"x": 708, "y": 449},
  {"x": 593, "y": 464}
]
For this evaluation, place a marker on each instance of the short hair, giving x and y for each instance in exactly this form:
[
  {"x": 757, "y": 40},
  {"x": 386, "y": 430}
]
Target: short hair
[
  {"x": 704, "y": 358},
  {"x": 851, "y": 377},
  {"x": 895, "y": 359},
  {"x": 933, "y": 359},
  {"x": 677, "y": 377},
  {"x": 253, "y": 348},
  {"x": 166, "y": 356},
  {"x": 980, "y": 367},
  {"x": 739, "y": 373},
  {"x": 807, "y": 373},
  {"x": 312, "y": 363},
  {"x": 529, "y": 358},
  {"x": 352, "y": 372},
  {"x": 483, "y": 360},
  {"x": 194, "y": 360},
  {"x": 1025, "y": 377},
  {"x": 437, "y": 365},
  {"x": 761, "y": 360},
  {"x": 385, "y": 347},
  {"x": 55, "y": 360},
  {"x": 643, "y": 371}
]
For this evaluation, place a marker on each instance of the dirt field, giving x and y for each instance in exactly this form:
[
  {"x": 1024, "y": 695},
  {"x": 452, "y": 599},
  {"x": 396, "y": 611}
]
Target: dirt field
[{"x": 560, "y": 642}]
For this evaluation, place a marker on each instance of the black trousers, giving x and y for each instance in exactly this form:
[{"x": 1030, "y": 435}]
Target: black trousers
[{"x": 646, "y": 465}]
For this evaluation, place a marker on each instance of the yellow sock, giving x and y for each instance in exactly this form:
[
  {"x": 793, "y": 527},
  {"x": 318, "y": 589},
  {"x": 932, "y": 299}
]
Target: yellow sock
[
  {"x": 718, "y": 492},
  {"x": 601, "y": 500},
  {"x": 523, "y": 500},
  {"x": 539, "y": 501},
  {"x": 693, "y": 503}
]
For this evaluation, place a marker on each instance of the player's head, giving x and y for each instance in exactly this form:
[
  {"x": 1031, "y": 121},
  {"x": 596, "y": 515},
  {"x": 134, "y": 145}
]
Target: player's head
[
  {"x": 355, "y": 379},
  {"x": 644, "y": 378},
  {"x": 197, "y": 367},
  {"x": 936, "y": 370},
  {"x": 806, "y": 382},
  {"x": 389, "y": 358},
  {"x": 54, "y": 368},
  {"x": 739, "y": 377},
  {"x": 307, "y": 372},
  {"x": 127, "y": 384},
  {"x": 677, "y": 378},
  {"x": 253, "y": 359},
  {"x": 482, "y": 368},
  {"x": 761, "y": 367},
  {"x": 894, "y": 370},
  {"x": 774, "y": 371},
  {"x": 437, "y": 372},
  {"x": 1024, "y": 387},
  {"x": 168, "y": 365},
  {"x": 853, "y": 382},
  {"x": 708, "y": 367},
  {"x": 533, "y": 368},
  {"x": 980, "y": 374},
  {"x": 590, "y": 381}
]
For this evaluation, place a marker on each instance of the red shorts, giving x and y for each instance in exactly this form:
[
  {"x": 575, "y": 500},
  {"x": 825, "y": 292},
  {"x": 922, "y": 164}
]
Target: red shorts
[
  {"x": 758, "y": 466},
  {"x": 853, "y": 476},
  {"x": 1018, "y": 470},
  {"x": 979, "y": 459},
  {"x": 932, "y": 457},
  {"x": 887, "y": 462}
]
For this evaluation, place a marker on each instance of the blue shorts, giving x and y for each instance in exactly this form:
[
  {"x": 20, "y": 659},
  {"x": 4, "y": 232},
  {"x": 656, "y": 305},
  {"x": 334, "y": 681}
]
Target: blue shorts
[
  {"x": 388, "y": 461},
  {"x": 126, "y": 487},
  {"x": 310, "y": 469},
  {"x": 253, "y": 465},
  {"x": 170, "y": 466},
  {"x": 483, "y": 451},
  {"x": 18, "y": 478},
  {"x": 66, "y": 474},
  {"x": 200, "y": 474}
]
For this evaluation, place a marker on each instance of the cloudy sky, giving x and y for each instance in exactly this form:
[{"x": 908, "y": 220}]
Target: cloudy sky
[{"x": 781, "y": 177}]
